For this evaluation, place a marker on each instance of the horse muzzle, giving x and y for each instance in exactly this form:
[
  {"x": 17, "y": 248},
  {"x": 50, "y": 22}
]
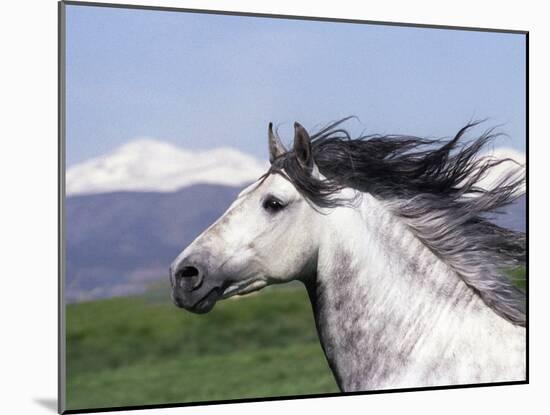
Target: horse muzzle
[{"x": 191, "y": 289}]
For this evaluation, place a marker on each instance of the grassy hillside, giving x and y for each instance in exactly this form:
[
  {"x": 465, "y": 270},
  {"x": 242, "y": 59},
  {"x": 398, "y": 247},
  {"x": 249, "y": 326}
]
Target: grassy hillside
[
  {"x": 143, "y": 350},
  {"x": 517, "y": 275}
]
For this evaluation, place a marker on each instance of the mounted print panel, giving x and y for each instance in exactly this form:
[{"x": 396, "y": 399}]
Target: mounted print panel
[{"x": 275, "y": 207}]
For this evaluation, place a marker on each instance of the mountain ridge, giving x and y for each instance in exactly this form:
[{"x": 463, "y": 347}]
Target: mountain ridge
[{"x": 119, "y": 243}]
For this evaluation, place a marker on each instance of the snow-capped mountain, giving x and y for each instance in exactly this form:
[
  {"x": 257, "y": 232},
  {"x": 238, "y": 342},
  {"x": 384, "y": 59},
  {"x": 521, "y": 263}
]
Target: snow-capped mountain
[
  {"x": 514, "y": 164},
  {"x": 150, "y": 165}
]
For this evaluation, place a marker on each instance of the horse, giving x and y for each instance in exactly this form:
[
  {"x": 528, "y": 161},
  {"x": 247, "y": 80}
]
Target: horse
[{"x": 392, "y": 238}]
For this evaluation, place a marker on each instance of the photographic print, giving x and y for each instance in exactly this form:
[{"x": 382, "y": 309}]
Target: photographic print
[{"x": 259, "y": 207}]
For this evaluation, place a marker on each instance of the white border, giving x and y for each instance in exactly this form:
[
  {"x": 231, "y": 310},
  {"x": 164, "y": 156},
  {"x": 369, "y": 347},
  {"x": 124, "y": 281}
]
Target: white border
[{"x": 28, "y": 222}]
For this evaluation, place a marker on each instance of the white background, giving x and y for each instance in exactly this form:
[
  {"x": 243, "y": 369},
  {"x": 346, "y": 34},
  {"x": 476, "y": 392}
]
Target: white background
[{"x": 28, "y": 219}]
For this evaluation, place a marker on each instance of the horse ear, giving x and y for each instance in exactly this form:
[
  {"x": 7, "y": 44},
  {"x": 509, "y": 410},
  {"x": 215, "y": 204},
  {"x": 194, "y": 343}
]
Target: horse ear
[
  {"x": 276, "y": 148},
  {"x": 302, "y": 146}
]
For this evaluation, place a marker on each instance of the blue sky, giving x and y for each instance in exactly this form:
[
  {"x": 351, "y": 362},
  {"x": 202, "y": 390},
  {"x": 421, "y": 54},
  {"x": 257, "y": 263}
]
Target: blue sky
[{"x": 204, "y": 81}]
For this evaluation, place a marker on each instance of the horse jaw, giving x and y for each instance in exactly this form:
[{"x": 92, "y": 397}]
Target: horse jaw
[{"x": 244, "y": 287}]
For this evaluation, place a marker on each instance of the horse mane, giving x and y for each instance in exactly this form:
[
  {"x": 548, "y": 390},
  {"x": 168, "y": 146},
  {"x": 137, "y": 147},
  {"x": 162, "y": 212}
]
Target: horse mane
[{"x": 434, "y": 187}]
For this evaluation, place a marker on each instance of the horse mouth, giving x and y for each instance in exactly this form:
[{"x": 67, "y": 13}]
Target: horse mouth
[
  {"x": 204, "y": 304},
  {"x": 243, "y": 287},
  {"x": 230, "y": 289}
]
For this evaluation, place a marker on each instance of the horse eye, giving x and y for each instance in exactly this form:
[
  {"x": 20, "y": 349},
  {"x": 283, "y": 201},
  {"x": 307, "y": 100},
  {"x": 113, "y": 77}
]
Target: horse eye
[{"x": 272, "y": 204}]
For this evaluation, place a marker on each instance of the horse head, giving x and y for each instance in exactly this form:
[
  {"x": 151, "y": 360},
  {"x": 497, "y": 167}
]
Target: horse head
[{"x": 266, "y": 236}]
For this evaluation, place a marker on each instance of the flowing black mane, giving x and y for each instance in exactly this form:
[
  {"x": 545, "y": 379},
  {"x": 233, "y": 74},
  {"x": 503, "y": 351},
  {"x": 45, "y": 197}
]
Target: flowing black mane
[{"x": 433, "y": 185}]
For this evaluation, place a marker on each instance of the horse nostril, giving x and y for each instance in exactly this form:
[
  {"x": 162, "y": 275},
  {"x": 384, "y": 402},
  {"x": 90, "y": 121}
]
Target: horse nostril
[
  {"x": 188, "y": 272},
  {"x": 189, "y": 278}
]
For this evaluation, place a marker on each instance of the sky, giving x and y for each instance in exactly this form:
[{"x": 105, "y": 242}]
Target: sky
[{"x": 206, "y": 81}]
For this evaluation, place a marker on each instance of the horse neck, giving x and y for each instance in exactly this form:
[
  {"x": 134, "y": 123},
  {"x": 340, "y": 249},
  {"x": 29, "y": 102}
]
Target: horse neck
[{"x": 384, "y": 303}]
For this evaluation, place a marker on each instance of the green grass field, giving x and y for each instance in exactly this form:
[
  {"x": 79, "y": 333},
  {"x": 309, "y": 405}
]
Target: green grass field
[{"x": 143, "y": 350}]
